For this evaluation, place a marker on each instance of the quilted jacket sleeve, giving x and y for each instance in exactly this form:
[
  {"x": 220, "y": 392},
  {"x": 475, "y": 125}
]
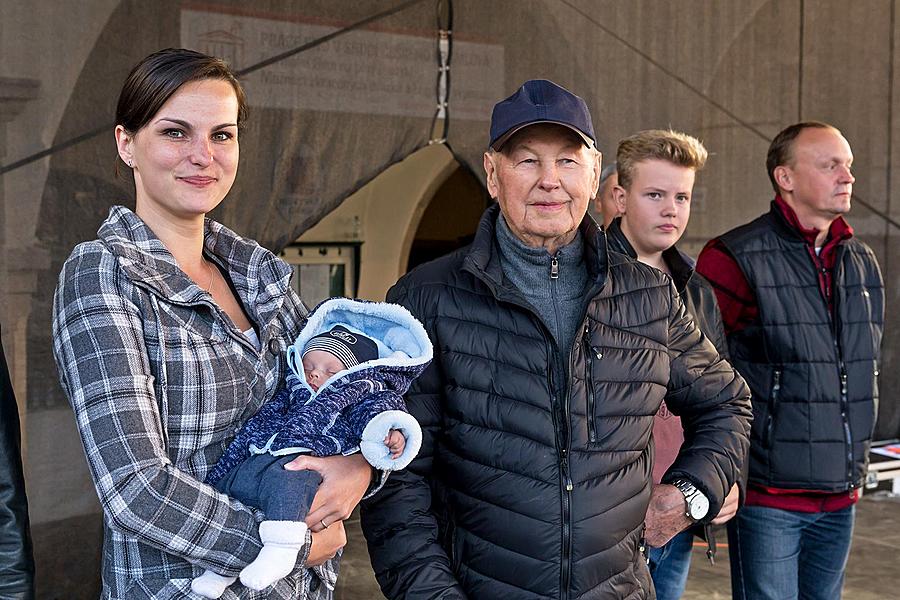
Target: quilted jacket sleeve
[
  {"x": 371, "y": 405},
  {"x": 399, "y": 523},
  {"x": 105, "y": 372},
  {"x": 16, "y": 562},
  {"x": 714, "y": 404}
]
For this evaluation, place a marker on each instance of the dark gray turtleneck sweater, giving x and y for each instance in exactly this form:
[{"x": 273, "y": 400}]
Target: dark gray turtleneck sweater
[{"x": 559, "y": 301}]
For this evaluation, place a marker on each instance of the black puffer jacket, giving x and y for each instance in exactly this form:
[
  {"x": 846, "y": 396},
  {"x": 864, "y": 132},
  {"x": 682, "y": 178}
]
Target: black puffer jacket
[
  {"x": 16, "y": 562},
  {"x": 700, "y": 302},
  {"x": 696, "y": 292},
  {"x": 519, "y": 494}
]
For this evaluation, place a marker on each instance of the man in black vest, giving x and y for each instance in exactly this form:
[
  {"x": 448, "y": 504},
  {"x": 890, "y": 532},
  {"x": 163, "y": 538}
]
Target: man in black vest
[{"x": 802, "y": 303}]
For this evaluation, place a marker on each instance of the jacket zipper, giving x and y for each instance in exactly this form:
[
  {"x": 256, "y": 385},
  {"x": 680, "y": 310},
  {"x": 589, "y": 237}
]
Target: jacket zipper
[
  {"x": 710, "y": 535},
  {"x": 589, "y": 383},
  {"x": 568, "y": 486},
  {"x": 845, "y": 405},
  {"x": 642, "y": 544},
  {"x": 773, "y": 408},
  {"x": 842, "y": 369},
  {"x": 564, "y": 444},
  {"x": 845, "y": 401}
]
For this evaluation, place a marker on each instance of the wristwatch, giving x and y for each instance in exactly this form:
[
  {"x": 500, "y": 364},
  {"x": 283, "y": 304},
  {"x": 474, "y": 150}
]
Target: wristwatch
[{"x": 696, "y": 505}]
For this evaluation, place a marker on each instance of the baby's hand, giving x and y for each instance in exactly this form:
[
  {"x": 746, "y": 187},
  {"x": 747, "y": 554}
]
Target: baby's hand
[{"x": 395, "y": 443}]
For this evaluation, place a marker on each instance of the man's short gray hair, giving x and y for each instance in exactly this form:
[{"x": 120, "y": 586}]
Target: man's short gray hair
[{"x": 608, "y": 171}]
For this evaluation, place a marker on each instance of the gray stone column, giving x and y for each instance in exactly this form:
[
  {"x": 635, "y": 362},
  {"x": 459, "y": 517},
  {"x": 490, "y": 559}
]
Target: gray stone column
[{"x": 18, "y": 266}]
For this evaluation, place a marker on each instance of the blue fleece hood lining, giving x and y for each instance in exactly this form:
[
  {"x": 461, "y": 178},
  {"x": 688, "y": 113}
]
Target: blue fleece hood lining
[{"x": 401, "y": 338}]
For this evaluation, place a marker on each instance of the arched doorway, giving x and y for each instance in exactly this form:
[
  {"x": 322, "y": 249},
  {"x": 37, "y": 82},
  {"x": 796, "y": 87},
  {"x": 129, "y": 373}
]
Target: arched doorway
[
  {"x": 416, "y": 210},
  {"x": 450, "y": 220}
]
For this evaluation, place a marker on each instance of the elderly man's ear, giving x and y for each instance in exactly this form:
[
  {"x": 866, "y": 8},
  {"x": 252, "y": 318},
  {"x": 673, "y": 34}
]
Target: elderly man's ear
[
  {"x": 490, "y": 172},
  {"x": 598, "y": 160}
]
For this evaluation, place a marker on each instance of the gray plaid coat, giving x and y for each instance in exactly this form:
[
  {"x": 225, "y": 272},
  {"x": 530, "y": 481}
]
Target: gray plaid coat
[{"x": 160, "y": 381}]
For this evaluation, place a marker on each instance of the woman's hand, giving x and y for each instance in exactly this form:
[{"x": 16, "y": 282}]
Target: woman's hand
[
  {"x": 326, "y": 543},
  {"x": 345, "y": 480}
]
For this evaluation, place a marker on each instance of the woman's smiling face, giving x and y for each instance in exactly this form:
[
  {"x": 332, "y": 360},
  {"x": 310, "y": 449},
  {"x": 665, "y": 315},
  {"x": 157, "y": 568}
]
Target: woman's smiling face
[{"x": 185, "y": 158}]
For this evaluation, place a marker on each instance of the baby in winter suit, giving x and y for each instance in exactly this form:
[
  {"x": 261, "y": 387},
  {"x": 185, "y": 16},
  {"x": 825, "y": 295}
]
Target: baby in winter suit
[
  {"x": 348, "y": 371},
  {"x": 327, "y": 354}
]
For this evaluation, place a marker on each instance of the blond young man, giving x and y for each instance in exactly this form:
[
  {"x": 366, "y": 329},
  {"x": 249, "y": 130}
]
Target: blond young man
[{"x": 656, "y": 171}]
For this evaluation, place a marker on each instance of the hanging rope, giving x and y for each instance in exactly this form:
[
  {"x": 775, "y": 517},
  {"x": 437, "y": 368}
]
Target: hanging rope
[{"x": 444, "y": 55}]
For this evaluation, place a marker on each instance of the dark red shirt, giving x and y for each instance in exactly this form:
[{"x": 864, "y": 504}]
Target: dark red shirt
[{"x": 737, "y": 301}]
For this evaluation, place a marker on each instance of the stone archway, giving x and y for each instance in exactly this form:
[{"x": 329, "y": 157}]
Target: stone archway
[
  {"x": 450, "y": 219},
  {"x": 423, "y": 206}
]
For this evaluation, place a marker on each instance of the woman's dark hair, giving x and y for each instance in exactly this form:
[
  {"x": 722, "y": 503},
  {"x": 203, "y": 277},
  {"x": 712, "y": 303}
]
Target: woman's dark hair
[{"x": 153, "y": 81}]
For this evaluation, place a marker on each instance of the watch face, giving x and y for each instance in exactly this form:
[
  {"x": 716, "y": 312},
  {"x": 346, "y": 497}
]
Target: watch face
[{"x": 699, "y": 506}]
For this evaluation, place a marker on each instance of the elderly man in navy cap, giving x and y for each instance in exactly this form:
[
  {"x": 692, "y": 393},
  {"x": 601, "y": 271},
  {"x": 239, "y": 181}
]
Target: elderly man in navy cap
[{"x": 552, "y": 355}]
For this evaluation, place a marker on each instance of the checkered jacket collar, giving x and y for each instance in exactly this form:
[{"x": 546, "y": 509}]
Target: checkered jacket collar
[{"x": 148, "y": 263}]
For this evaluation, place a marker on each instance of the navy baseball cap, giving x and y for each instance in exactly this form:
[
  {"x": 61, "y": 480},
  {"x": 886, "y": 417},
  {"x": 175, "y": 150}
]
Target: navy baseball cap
[{"x": 540, "y": 101}]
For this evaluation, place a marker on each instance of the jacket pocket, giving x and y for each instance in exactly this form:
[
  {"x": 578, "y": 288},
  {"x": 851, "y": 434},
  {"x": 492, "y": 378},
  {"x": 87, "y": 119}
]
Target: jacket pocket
[
  {"x": 589, "y": 354},
  {"x": 456, "y": 547},
  {"x": 875, "y": 390},
  {"x": 772, "y": 412}
]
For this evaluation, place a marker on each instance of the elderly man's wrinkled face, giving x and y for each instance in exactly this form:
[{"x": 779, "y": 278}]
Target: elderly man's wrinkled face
[{"x": 543, "y": 179}]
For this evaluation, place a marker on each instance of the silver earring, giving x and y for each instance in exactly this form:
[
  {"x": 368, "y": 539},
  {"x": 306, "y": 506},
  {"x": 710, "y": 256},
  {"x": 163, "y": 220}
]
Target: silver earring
[{"x": 130, "y": 164}]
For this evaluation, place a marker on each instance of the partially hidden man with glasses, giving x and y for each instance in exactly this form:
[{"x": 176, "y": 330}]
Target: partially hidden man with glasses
[
  {"x": 552, "y": 356},
  {"x": 802, "y": 303}
]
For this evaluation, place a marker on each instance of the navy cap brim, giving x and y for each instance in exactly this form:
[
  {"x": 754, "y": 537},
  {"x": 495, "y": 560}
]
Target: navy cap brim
[{"x": 497, "y": 144}]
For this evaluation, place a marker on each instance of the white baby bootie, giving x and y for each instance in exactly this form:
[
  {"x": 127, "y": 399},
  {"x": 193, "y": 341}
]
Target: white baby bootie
[
  {"x": 282, "y": 541},
  {"x": 211, "y": 585}
]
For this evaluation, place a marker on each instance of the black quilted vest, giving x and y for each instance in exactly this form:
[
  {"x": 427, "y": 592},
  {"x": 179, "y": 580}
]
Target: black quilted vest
[{"x": 813, "y": 377}]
